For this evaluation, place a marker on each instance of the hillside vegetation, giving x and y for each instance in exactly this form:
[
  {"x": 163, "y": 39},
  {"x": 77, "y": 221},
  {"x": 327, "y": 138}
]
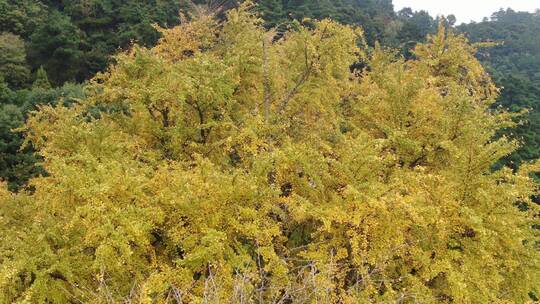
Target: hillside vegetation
[{"x": 515, "y": 66}]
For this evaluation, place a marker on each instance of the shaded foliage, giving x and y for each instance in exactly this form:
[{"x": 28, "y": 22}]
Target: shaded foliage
[
  {"x": 74, "y": 39},
  {"x": 13, "y": 67},
  {"x": 18, "y": 163},
  {"x": 515, "y": 65}
]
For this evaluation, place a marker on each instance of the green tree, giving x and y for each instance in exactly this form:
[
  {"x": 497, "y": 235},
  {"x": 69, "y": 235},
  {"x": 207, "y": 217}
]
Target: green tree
[
  {"x": 21, "y": 17},
  {"x": 124, "y": 23},
  {"x": 42, "y": 80},
  {"x": 16, "y": 166},
  {"x": 13, "y": 67},
  {"x": 18, "y": 161},
  {"x": 55, "y": 45},
  {"x": 373, "y": 15},
  {"x": 70, "y": 35},
  {"x": 412, "y": 28}
]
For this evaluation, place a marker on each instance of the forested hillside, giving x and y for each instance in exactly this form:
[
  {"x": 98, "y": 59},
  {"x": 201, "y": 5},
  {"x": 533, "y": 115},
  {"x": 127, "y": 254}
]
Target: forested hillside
[
  {"x": 74, "y": 39},
  {"x": 515, "y": 66}
]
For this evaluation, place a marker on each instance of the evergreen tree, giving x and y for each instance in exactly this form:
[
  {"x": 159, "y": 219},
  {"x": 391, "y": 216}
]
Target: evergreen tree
[
  {"x": 18, "y": 162},
  {"x": 42, "y": 80},
  {"x": 13, "y": 67},
  {"x": 55, "y": 45},
  {"x": 16, "y": 165},
  {"x": 273, "y": 12},
  {"x": 21, "y": 17}
]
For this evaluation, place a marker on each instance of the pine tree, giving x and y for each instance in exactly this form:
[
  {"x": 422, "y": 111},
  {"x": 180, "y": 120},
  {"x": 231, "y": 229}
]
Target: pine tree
[
  {"x": 272, "y": 11},
  {"x": 42, "y": 80}
]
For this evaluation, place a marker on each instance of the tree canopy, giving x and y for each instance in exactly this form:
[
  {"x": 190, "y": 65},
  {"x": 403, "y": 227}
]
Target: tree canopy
[{"x": 232, "y": 164}]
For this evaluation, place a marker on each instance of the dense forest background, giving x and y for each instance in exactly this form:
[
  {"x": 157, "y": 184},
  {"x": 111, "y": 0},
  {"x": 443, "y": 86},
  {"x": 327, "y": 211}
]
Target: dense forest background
[{"x": 48, "y": 49}]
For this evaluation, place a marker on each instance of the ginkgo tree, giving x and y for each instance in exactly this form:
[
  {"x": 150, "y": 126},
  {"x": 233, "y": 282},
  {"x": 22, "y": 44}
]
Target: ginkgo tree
[{"x": 234, "y": 164}]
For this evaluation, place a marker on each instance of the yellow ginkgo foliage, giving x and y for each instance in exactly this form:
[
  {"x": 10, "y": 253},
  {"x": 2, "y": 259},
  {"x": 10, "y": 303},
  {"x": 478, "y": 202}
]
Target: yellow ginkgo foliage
[{"x": 231, "y": 164}]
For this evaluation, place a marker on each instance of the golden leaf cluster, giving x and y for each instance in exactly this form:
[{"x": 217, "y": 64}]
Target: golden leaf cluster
[{"x": 231, "y": 164}]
